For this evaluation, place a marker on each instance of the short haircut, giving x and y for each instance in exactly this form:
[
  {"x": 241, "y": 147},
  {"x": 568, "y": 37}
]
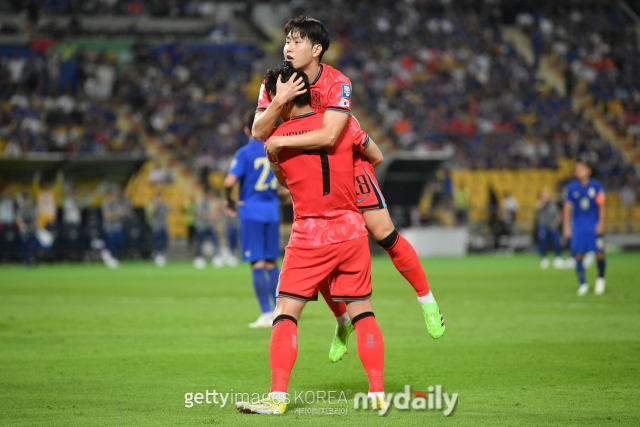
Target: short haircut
[
  {"x": 286, "y": 70},
  {"x": 311, "y": 29},
  {"x": 248, "y": 119}
]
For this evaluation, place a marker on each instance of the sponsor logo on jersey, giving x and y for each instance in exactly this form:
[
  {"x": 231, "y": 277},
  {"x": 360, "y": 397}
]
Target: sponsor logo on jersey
[{"x": 346, "y": 91}]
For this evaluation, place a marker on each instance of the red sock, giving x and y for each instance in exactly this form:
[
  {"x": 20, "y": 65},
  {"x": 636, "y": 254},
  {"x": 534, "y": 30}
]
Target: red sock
[
  {"x": 370, "y": 350},
  {"x": 338, "y": 307},
  {"x": 283, "y": 350},
  {"x": 406, "y": 260}
]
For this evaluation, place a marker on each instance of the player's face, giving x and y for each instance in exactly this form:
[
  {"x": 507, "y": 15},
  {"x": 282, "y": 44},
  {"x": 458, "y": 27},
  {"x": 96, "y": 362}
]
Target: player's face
[
  {"x": 298, "y": 51},
  {"x": 582, "y": 171}
]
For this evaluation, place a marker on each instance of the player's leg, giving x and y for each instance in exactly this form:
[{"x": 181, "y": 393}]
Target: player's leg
[
  {"x": 283, "y": 351},
  {"x": 352, "y": 284},
  {"x": 558, "y": 262},
  {"x": 579, "y": 247},
  {"x": 252, "y": 251},
  {"x": 302, "y": 270},
  {"x": 601, "y": 262},
  {"x": 406, "y": 260},
  {"x": 271, "y": 245},
  {"x": 543, "y": 236}
]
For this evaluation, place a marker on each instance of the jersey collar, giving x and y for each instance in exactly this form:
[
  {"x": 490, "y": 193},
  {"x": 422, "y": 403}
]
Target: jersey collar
[
  {"x": 317, "y": 76},
  {"x": 303, "y": 115}
]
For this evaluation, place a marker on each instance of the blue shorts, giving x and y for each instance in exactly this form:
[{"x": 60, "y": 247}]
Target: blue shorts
[
  {"x": 584, "y": 241},
  {"x": 260, "y": 240}
]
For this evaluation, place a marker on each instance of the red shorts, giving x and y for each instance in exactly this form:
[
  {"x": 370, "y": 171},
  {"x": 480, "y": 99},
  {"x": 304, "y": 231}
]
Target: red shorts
[
  {"x": 345, "y": 265},
  {"x": 368, "y": 192}
]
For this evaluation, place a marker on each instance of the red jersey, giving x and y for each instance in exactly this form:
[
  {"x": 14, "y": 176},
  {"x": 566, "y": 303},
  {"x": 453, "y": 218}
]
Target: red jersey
[
  {"x": 330, "y": 90},
  {"x": 321, "y": 184}
]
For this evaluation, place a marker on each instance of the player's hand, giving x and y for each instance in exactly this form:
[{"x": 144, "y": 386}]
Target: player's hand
[
  {"x": 285, "y": 92},
  {"x": 272, "y": 146},
  {"x": 600, "y": 228},
  {"x": 231, "y": 208},
  {"x": 567, "y": 232}
]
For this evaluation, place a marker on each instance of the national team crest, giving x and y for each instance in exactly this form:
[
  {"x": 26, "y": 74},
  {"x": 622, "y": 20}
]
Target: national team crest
[
  {"x": 344, "y": 102},
  {"x": 346, "y": 91},
  {"x": 315, "y": 98}
]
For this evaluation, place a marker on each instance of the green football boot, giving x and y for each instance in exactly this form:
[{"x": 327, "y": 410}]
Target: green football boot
[
  {"x": 434, "y": 319},
  {"x": 266, "y": 406},
  {"x": 340, "y": 342}
]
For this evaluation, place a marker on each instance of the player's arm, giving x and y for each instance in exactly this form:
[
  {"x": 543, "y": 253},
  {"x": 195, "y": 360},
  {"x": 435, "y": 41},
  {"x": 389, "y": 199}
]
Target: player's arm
[
  {"x": 229, "y": 182},
  {"x": 601, "y": 211},
  {"x": 333, "y": 123},
  {"x": 264, "y": 122},
  {"x": 278, "y": 174},
  {"x": 373, "y": 153},
  {"x": 566, "y": 212}
]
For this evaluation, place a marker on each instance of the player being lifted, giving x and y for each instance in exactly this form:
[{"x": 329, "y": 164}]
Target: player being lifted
[
  {"x": 259, "y": 211},
  {"x": 328, "y": 244},
  {"x": 585, "y": 197},
  {"x": 306, "y": 41}
]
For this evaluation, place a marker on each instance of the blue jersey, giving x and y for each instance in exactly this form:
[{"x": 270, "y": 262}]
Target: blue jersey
[
  {"x": 258, "y": 185},
  {"x": 585, "y": 200}
]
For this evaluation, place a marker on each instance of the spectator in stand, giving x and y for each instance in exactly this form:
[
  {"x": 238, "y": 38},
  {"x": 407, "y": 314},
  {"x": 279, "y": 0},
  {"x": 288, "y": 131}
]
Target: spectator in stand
[
  {"x": 47, "y": 209},
  {"x": 208, "y": 211},
  {"x": 7, "y": 209},
  {"x": 548, "y": 225},
  {"x": 113, "y": 215},
  {"x": 27, "y": 224},
  {"x": 189, "y": 210},
  {"x": 157, "y": 212}
]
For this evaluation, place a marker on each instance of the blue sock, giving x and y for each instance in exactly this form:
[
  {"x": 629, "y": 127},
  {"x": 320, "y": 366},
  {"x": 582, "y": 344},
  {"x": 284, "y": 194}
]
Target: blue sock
[
  {"x": 274, "y": 277},
  {"x": 260, "y": 286},
  {"x": 580, "y": 271},
  {"x": 601, "y": 266}
]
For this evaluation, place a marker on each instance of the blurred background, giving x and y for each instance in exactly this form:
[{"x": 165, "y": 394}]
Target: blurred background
[{"x": 111, "y": 108}]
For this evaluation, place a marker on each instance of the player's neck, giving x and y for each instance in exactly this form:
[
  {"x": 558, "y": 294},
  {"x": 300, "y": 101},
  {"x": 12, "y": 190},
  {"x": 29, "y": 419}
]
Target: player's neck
[
  {"x": 584, "y": 181},
  {"x": 311, "y": 70}
]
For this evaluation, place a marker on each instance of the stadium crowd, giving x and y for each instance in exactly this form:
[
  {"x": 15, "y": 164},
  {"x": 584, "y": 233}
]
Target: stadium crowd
[{"x": 434, "y": 74}]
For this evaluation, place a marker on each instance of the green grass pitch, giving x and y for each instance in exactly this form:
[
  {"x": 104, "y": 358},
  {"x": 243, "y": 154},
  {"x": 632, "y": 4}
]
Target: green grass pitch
[{"x": 84, "y": 345}]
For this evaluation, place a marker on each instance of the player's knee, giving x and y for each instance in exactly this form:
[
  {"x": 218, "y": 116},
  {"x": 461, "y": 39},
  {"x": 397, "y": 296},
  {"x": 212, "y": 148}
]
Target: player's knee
[
  {"x": 599, "y": 256},
  {"x": 257, "y": 264},
  {"x": 578, "y": 257},
  {"x": 389, "y": 241},
  {"x": 361, "y": 316},
  {"x": 269, "y": 264},
  {"x": 283, "y": 318}
]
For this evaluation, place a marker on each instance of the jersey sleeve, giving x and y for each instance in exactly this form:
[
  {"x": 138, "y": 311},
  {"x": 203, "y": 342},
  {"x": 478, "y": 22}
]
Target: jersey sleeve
[
  {"x": 359, "y": 137},
  {"x": 237, "y": 165},
  {"x": 567, "y": 194},
  {"x": 600, "y": 198},
  {"x": 339, "y": 95},
  {"x": 264, "y": 100}
]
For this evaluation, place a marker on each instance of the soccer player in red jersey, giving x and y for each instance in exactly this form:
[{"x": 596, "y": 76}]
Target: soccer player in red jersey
[
  {"x": 328, "y": 244},
  {"x": 306, "y": 41}
]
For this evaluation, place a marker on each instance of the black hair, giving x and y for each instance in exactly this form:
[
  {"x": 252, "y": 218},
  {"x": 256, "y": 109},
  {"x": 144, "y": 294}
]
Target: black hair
[
  {"x": 248, "y": 119},
  {"x": 311, "y": 29},
  {"x": 586, "y": 159},
  {"x": 286, "y": 70}
]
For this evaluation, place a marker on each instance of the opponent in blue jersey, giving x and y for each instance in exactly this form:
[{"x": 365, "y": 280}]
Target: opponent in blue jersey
[
  {"x": 259, "y": 211},
  {"x": 585, "y": 197}
]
